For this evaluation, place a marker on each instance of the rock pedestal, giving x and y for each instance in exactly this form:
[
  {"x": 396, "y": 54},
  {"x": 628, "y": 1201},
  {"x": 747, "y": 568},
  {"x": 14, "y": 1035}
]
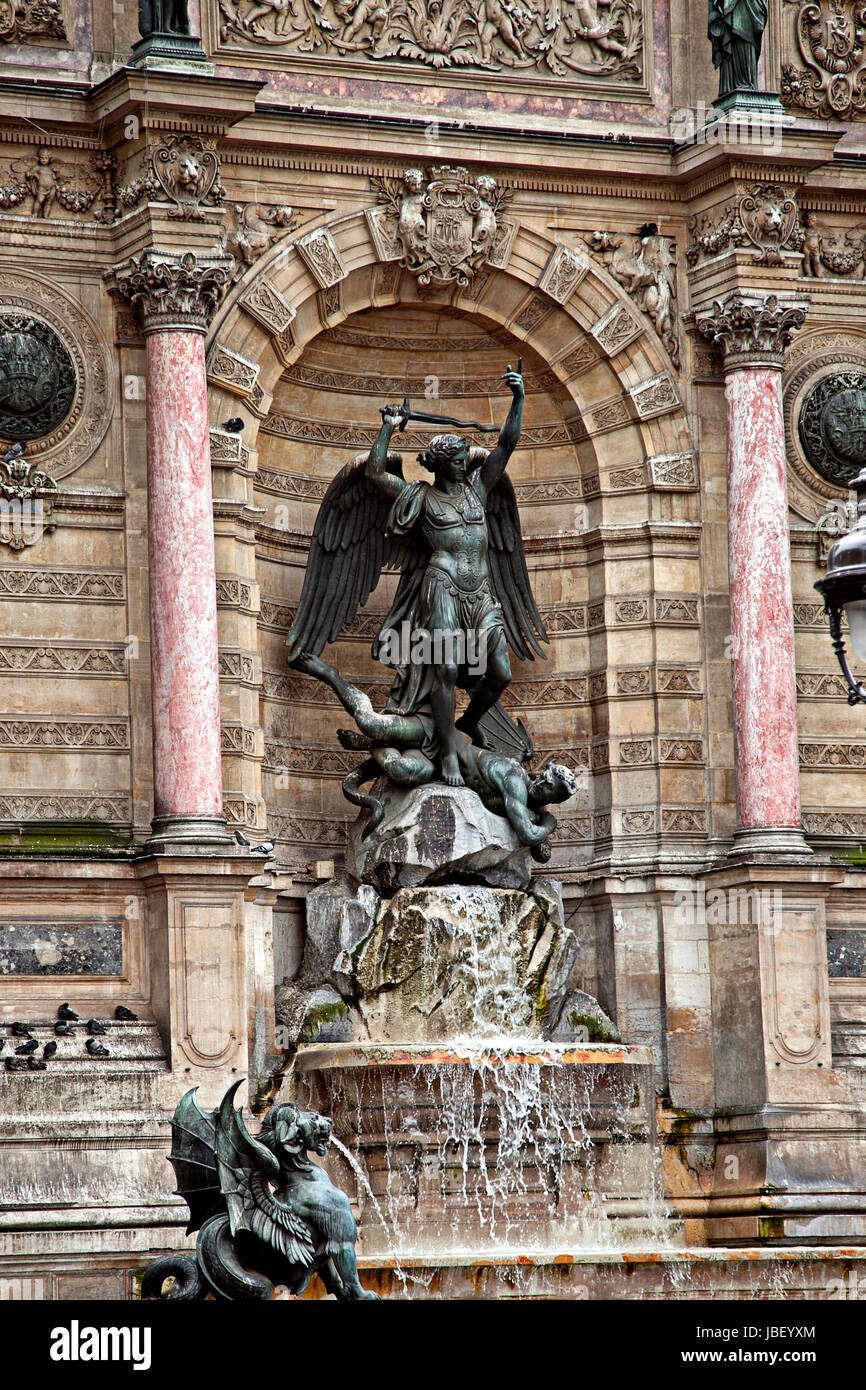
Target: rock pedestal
[{"x": 436, "y": 834}]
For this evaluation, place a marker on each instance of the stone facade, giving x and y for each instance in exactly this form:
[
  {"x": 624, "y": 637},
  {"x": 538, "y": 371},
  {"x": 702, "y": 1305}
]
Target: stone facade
[{"x": 220, "y": 238}]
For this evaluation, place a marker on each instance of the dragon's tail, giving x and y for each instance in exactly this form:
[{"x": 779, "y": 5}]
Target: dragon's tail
[{"x": 352, "y": 792}]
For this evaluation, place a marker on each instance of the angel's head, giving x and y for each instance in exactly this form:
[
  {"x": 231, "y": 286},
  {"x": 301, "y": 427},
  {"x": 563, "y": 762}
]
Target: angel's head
[
  {"x": 486, "y": 187},
  {"x": 290, "y": 1132},
  {"x": 413, "y": 180},
  {"x": 450, "y": 456}
]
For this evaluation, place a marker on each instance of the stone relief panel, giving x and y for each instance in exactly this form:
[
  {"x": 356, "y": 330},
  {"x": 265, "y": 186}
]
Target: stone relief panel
[
  {"x": 440, "y": 229},
  {"x": 763, "y": 218},
  {"x": 824, "y": 62},
  {"x": 56, "y": 381},
  {"x": 39, "y": 184},
  {"x": 183, "y": 171},
  {"x": 33, "y": 21},
  {"x": 591, "y": 42}
]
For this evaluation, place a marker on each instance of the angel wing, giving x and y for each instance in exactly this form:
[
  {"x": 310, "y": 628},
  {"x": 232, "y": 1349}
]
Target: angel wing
[
  {"x": 523, "y": 622},
  {"x": 348, "y": 552},
  {"x": 244, "y": 1168}
]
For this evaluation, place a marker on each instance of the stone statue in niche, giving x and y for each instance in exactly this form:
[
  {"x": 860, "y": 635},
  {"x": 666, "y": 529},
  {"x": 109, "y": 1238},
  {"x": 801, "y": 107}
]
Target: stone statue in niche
[
  {"x": 464, "y": 597},
  {"x": 736, "y": 32},
  {"x": 265, "y": 1215}
]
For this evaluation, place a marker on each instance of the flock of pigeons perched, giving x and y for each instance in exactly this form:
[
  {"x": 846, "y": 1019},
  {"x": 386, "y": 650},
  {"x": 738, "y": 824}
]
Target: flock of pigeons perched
[{"x": 25, "y": 1058}]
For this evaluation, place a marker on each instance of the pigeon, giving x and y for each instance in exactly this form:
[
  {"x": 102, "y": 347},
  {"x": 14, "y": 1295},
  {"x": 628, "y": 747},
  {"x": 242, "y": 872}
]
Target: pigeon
[
  {"x": 242, "y": 839},
  {"x": 49, "y": 1050},
  {"x": 63, "y": 1030},
  {"x": 94, "y": 1026},
  {"x": 65, "y": 1012},
  {"x": 27, "y": 1047},
  {"x": 16, "y": 1063},
  {"x": 234, "y": 426},
  {"x": 124, "y": 1014},
  {"x": 96, "y": 1049},
  {"x": 21, "y": 1030},
  {"x": 34, "y": 1064},
  {"x": 264, "y": 849}
]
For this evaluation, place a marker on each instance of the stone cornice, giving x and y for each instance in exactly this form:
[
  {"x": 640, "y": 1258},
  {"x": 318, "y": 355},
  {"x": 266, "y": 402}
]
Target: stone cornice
[
  {"x": 174, "y": 292},
  {"x": 753, "y": 330}
]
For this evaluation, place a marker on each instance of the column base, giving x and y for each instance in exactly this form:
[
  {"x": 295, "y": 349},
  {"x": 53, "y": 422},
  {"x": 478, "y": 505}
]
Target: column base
[
  {"x": 189, "y": 835},
  {"x": 784, "y": 844}
]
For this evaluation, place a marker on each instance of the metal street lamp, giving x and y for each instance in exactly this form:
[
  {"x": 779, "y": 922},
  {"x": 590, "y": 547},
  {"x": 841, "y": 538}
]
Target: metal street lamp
[{"x": 844, "y": 591}]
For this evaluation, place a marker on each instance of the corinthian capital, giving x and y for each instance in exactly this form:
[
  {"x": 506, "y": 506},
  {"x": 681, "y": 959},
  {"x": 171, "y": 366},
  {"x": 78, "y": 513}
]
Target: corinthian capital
[
  {"x": 174, "y": 291},
  {"x": 753, "y": 330}
]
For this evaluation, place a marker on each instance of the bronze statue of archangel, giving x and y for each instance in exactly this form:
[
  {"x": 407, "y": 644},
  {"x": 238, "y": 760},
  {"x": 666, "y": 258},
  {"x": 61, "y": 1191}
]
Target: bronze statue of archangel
[{"x": 463, "y": 598}]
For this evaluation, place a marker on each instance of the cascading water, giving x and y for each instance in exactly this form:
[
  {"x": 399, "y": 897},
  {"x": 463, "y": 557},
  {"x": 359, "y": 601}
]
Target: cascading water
[{"x": 491, "y": 1139}]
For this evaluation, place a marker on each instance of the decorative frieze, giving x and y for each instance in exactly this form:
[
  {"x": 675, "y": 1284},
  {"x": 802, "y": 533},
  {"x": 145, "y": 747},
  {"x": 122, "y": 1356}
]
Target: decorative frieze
[
  {"x": 172, "y": 292},
  {"x": 753, "y": 330},
  {"x": 111, "y": 807},
  {"x": 684, "y": 820},
  {"x": 354, "y": 436},
  {"x": 835, "y": 755},
  {"x": 69, "y": 585},
  {"x": 819, "y": 685},
  {"x": 596, "y": 42},
  {"x": 62, "y": 659},
  {"x": 104, "y": 735}
]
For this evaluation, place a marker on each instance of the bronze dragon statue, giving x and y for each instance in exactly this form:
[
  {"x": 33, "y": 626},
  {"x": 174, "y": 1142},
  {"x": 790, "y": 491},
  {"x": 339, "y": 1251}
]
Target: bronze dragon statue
[{"x": 266, "y": 1216}]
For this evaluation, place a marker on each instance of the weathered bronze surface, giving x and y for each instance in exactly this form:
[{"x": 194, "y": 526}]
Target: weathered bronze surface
[
  {"x": 266, "y": 1216},
  {"x": 464, "y": 589},
  {"x": 736, "y": 31}
]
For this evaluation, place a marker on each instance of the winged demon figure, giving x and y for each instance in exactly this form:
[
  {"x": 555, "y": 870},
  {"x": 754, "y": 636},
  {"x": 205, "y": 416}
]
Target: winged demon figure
[
  {"x": 463, "y": 597},
  {"x": 265, "y": 1214}
]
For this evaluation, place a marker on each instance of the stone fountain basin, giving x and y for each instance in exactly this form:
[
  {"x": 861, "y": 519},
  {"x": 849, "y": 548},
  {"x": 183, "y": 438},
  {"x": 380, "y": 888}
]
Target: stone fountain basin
[
  {"x": 338, "y": 1055},
  {"x": 476, "y": 1144}
]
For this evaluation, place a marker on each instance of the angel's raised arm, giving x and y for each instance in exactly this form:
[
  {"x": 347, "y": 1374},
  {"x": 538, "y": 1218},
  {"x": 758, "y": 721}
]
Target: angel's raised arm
[
  {"x": 393, "y": 418},
  {"x": 494, "y": 466}
]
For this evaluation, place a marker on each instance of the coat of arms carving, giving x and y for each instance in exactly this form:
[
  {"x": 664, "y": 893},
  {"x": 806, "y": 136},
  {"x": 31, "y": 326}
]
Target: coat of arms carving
[
  {"x": 830, "y": 37},
  {"x": 445, "y": 227}
]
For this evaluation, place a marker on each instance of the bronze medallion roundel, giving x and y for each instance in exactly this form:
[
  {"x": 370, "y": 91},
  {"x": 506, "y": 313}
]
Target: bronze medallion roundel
[
  {"x": 833, "y": 427},
  {"x": 38, "y": 381}
]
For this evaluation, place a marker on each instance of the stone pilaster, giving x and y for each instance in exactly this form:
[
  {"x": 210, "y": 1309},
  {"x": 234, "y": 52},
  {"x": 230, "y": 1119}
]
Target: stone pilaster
[
  {"x": 176, "y": 297},
  {"x": 754, "y": 331}
]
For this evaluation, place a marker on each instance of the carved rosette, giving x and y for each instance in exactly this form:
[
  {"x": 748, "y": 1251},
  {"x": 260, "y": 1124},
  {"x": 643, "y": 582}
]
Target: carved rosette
[
  {"x": 175, "y": 292},
  {"x": 753, "y": 330}
]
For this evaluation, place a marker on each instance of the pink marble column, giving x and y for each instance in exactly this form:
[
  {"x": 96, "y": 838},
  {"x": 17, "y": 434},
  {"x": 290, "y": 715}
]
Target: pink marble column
[
  {"x": 176, "y": 297},
  {"x": 754, "y": 333}
]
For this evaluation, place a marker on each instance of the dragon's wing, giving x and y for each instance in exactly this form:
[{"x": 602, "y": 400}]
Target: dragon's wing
[
  {"x": 194, "y": 1160},
  {"x": 244, "y": 1166},
  {"x": 348, "y": 552},
  {"x": 523, "y": 623}
]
